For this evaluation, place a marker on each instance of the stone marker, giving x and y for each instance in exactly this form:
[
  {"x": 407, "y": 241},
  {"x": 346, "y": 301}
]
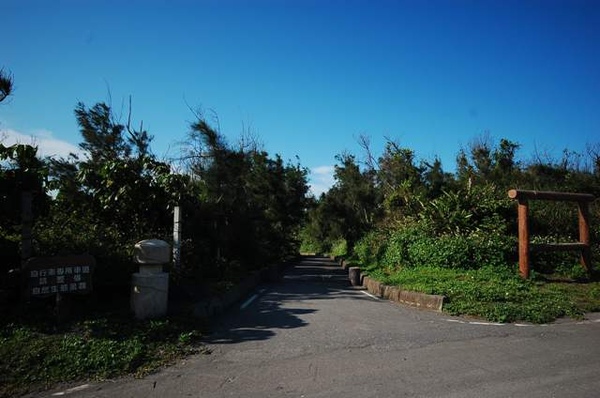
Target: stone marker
[{"x": 150, "y": 286}]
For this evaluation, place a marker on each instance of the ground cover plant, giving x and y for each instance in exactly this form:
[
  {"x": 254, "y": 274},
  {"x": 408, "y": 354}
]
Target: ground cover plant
[
  {"x": 37, "y": 352},
  {"x": 499, "y": 295}
]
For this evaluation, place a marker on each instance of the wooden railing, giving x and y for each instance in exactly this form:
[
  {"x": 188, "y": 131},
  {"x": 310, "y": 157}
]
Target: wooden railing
[{"x": 583, "y": 200}]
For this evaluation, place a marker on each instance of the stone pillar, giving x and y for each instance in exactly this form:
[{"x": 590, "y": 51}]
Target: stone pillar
[{"x": 150, "y": 286}]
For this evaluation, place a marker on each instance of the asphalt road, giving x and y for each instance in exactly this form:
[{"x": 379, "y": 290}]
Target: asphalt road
[{"x": 312, "y": 335}]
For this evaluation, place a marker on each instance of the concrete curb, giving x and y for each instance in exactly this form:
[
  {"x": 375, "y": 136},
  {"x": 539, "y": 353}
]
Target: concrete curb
[{"x": 393, "y": 293}]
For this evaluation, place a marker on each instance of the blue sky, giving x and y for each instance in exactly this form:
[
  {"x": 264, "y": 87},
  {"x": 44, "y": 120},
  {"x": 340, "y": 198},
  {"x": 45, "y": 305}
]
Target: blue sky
[{"x": 309, "y": 77}]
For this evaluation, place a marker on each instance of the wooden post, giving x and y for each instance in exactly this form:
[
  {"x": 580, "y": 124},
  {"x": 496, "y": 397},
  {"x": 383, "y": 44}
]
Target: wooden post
[
  {"x": 584, "y": 235},
  {"x": 523, "y": 211}
]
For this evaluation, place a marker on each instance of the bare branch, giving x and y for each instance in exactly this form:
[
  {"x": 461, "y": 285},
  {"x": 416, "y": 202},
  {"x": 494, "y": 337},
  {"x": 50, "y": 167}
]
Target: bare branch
[
  {"x": 129, "y": 117},
  {"x": 365, "y": 143}
]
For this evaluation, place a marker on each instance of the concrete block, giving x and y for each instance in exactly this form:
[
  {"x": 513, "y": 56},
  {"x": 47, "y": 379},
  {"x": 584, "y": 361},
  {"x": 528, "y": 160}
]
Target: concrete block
[
  {"x": 374, "y": 287},
  {"x": 421, "y": 300},
  {"x": 354, "y": 276},
  {"x": 391, "y": 293},
  {"x": 396, "y": 294}
]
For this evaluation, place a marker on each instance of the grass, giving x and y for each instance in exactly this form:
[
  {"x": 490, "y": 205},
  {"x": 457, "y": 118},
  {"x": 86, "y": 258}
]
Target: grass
[
  {"x": 36, "y": 353},
  {"x": 499, "y": 294}
]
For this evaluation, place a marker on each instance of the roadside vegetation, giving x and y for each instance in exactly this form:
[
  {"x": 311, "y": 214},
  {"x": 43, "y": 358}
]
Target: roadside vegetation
[
  {"x": 242, "y": 209},
  {"x": 409, "y": 223},
  {"x": 38, "y": 354}
]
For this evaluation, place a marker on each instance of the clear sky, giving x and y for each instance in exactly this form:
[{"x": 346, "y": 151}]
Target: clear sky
[{"x": 308, "y": 77}]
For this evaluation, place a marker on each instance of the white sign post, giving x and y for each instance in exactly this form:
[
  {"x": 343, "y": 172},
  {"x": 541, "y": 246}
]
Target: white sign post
[{"x": 177, "y": 237}]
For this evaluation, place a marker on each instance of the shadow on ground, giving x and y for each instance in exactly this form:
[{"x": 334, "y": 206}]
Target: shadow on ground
[{"x": 311, "y": 278}]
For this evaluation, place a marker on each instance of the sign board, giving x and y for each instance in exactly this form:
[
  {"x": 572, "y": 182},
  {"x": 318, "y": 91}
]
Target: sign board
[{"x": 61, "y": 274}]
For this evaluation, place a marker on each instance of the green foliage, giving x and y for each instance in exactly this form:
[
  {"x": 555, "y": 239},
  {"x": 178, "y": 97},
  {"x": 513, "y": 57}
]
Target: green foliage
[
  {"x": 34, "y": 358},
  {"x": 242, "y": 208},
  {"x": 251, "y": 209},
  {"x": 370, "y": 248},
  {"x": 20, "y": 172},
  {"x": 484, "y": 162},
  {"x": 116, "y": 196},
  {"x": 347, "y": 211},
  {"x": 396, "y": 252},
  {"x": 352, "y": 200},
  {"x": 456, "y": 230},
  {"x": 413, "y": 246},
  {"x": 497, "y": 294},
  {"x": 481, "y": 208},
  {"x": 460, "y": 240},
  {"x": 339, "y": 248},
  {"x": 309, "y": 242},
  {"x": 464, "y": 252},
  {"x": 401, "y": 182}
]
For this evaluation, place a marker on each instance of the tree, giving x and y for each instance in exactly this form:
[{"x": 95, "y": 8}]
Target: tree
[
  {"x": 435, "y": 179},
  {"x": 105, "y": 138},
  {"x": 348, "y": 210},
  {"x": 21, "y": 171},
  {"x": 400, "y": 180},
  {"x": 120, "y": 182},
  {"x": 6, "y": 84},
  {"x": 252, "y": 204},
  {"x": 485, "y": 162}
]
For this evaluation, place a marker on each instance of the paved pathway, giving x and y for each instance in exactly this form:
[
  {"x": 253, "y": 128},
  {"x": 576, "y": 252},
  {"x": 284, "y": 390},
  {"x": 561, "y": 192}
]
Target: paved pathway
[{"x": 312, "y": 335}]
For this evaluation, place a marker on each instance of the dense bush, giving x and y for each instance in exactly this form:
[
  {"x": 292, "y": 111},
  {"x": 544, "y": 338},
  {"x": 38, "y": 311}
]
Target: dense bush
[
  {"x": 414, "y": 246},
  {"x": 460, "y": 251},
  {"x": 371, "y": 248}
]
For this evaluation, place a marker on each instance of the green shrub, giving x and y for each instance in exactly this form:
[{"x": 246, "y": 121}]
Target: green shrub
[
  {"x": 370, "y": 249},
  {"x": 396, "y": 253},
  {"x": 339, "y": 248},
  {"x": 415, "y": 246},
  {"x": 77, "y": 233},
  {"x": 481, "y": 208}
]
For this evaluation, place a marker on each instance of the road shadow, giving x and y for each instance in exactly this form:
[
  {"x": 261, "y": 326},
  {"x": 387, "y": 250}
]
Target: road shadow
[{"x": 310, "y": 278}]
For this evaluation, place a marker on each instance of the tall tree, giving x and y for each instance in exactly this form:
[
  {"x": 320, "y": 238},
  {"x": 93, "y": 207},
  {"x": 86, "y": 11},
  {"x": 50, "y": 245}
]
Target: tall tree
[
  {"x": 351, "y": 206},
  {"x": 253, "y": 203},
  {"x": 120, "y": 181},
  {"x": 6, "y": 84},
  {"x": 400, "y": 179}
]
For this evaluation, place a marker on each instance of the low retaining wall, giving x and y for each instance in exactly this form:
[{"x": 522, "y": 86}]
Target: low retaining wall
[{"x": 414, "y": 299}]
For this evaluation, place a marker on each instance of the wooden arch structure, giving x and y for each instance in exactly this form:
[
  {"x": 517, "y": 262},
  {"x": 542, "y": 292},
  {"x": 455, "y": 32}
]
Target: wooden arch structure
[{"x": 583, "y": 200}]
